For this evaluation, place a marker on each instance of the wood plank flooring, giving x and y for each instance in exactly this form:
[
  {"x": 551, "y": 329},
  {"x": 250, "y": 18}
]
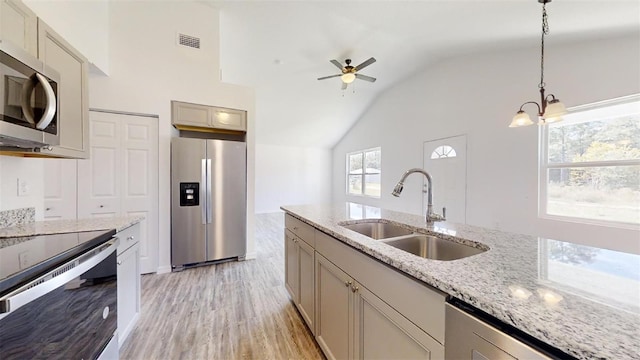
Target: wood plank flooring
[{"x": 234, "y": 310}]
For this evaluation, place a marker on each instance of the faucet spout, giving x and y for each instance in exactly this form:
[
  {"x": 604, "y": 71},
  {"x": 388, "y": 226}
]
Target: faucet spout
[{"x": 431, "y": 216}]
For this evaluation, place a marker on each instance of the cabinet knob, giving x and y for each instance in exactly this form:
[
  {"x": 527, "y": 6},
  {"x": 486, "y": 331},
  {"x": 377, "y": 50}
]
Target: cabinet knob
[
  {"x": 354, "y": 288},
  {"x": 101, "y": 206},
  {"x": 130, "y": 238},
  {"x": 47, "y": 209},
  {"x": 295, "y": 228},
  {"x": 119, "y": 262},
  {"x": 347, "y": 283}
]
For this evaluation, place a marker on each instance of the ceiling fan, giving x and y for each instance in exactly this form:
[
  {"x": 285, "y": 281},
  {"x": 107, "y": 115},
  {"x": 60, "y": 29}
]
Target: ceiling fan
[{"x": 350, "y": 73}]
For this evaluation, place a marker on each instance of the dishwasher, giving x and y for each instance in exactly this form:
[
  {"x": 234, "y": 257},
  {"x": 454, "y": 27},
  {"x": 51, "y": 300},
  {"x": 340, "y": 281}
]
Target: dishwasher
[{"x": 474, "y": 335}]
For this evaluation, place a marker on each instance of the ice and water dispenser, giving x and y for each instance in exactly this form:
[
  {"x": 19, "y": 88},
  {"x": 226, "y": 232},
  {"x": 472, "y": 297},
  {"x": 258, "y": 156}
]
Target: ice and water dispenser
[{"x": 189, "y": 194}]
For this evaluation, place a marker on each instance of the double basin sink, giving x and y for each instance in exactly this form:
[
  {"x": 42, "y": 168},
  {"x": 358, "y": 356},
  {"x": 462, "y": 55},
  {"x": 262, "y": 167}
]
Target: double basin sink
[{"x": 426, "y": 246}]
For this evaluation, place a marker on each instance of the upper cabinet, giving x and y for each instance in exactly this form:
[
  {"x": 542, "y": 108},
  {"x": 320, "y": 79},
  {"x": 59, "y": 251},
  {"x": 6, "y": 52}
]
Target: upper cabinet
[
  {"x": 194, "y": 117},
  {"x": 19, "y": 25},
  {"x": 73, "y": 96}
]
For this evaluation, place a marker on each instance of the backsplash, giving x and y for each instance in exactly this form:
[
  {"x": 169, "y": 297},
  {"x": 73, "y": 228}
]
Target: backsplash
[{"x": 15, "y": 217}]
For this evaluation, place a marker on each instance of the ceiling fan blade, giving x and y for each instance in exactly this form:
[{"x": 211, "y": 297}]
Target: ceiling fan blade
[
  {"x": 344, "y": 85},
  {"x": 329, "y": 77},
  {"x": 365, "y": 64},
  {"x": 336, "y": 63},
  {"x": 365, "y": 78}
]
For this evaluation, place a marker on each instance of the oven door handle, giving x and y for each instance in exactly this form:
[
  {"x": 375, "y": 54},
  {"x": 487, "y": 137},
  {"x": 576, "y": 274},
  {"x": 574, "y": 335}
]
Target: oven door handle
[{"x": 56, "y": 278}]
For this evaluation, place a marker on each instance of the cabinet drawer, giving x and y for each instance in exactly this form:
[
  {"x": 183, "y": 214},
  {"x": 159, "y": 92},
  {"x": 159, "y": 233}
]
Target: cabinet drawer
[
  {"x": 302, "y": 230},
  {"x": 412, "y": 299},
  {"x": 128, "y": 237}
]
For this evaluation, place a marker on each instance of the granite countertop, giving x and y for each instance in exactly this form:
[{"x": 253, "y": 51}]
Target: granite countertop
[
  {"x": 64, "y": 226},
  {"x": 579, "y": 299}
]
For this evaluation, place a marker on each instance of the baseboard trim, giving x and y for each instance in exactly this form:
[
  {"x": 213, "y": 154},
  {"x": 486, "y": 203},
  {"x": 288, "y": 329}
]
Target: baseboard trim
[{"x": 163, "y": 269}]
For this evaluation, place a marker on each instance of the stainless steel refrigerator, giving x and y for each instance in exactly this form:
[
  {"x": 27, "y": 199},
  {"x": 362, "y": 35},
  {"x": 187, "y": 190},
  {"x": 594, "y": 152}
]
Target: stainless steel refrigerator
[{"x": 208, "y": 201}]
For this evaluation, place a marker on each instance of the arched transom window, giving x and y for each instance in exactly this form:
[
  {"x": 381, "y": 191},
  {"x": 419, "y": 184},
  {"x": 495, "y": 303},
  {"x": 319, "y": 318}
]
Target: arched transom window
[{"x": 443, "y": 152}]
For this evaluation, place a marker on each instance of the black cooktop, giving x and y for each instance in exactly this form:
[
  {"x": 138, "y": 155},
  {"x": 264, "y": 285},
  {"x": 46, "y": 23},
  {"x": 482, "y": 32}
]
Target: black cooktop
[{"x": 25, "y": 258}]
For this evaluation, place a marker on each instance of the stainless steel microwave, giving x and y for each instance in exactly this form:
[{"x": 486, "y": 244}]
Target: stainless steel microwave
[{"x": 28, "y": 101}]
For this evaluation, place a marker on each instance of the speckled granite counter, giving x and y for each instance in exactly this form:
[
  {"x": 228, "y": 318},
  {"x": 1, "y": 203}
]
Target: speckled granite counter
[
  {"x": 519, "y": 280},
  {"x": 64, "y": 226}
]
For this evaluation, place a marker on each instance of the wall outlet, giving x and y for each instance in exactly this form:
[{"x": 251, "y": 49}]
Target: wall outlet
[{"x": 23, "y": 187}]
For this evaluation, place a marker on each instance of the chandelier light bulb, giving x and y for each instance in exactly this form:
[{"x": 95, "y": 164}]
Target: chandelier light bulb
[
  {"x": 521, "y": 119},
  {"x": 554, "y": 111}
]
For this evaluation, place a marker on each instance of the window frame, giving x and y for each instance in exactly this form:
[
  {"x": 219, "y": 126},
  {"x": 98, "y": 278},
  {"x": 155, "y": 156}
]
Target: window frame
[
  {"x": 363, "y": 174},
  {"x": 544, "y": 166}
]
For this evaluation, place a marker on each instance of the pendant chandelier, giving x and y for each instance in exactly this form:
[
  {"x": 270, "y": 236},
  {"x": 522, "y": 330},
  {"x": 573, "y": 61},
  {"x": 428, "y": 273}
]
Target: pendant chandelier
[{"x": 550, "y": 108}]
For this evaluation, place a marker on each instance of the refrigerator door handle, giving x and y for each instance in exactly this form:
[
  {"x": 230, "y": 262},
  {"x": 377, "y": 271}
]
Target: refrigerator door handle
[
  {"x": 203, "y": 196},
  {"x": 209, "y": 200}
]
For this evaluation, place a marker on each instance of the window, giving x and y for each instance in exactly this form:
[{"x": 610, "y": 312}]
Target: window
[
  {"x": 443, "y": 152},
  {"x": 590, "y": 164},
  {"x": 363, "y": 173}
]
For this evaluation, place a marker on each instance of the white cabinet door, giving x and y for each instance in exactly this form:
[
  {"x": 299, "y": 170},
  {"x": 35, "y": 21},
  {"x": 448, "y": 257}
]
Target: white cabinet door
[
  {"x": 291, "y": 267},
  {"x": 60, "y": 189},
  {"x": 121, "y": 178},
  {"x": 306, "y": 272},
  {"x": 334, "y": 321},
  {"x": 189, "y": 115},
  {"x": 19, "y": 26},
  {"x": 383, "y": 333},
  {"x": 73, "y": 95},
  {"x": 128, "y": 291},
  {"x": 228, "y": 119}
]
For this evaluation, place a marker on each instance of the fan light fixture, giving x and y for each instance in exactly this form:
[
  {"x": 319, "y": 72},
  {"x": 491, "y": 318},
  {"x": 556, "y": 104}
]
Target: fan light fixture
[
  {"x": 550, "y": 109},
  {"x": 348, "y": 78}
]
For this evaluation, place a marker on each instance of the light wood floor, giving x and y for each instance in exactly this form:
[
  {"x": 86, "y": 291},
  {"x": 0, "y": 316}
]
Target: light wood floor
[{"x": 234, "y": 310}]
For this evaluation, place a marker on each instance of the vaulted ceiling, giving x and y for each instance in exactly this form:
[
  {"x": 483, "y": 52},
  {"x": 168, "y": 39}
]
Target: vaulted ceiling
[{"x": 280, "y": 48}]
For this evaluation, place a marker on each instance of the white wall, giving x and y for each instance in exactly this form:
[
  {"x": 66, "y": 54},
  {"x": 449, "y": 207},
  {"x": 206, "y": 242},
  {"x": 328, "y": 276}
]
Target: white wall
[
  {"x": 478, "y": 95},
  {"x": 148, "y": 70},
  {"x": 30, "y": 170},
  {"x": 288, "y": 175},
  {"x": 82, "y": 23}
]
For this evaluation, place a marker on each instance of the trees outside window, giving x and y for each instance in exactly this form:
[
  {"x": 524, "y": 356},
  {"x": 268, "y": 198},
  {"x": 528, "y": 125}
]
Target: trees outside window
[
  {"x": 590, "y": 164},
  {"x": 363, "y": 173}
]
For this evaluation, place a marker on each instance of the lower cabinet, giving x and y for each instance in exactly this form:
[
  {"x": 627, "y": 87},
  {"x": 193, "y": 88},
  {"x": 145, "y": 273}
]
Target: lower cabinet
[
  {"x": 334, "y": 310},
  {"x": 353, "y": 323},
  {"x": 300, "y": 276},
  {"x": 356, "y": 306},
  {"x": 380, "y": 332},
  {"x": 128, "y": 281}
]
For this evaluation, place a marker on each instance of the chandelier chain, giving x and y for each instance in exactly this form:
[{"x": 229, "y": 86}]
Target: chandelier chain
[{"x": 545, "y": 31}]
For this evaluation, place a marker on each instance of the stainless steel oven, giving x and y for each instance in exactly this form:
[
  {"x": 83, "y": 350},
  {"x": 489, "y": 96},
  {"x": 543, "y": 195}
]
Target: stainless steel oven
[
  {"x": 28, "y": 100},
  {"x": 58, "y": 296}
]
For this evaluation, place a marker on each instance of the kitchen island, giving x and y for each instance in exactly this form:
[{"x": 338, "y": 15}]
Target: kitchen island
[{"x": 539, "y": 286}]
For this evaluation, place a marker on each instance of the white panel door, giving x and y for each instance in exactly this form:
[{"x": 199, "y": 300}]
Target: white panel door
[
  {"x": 60, "y": 189},
  {"x": 139, "y": 175},
  {"x": 99, "y": 177},
  {"x": 446, "y": 161},
  {"x": 121, "y": 177}
]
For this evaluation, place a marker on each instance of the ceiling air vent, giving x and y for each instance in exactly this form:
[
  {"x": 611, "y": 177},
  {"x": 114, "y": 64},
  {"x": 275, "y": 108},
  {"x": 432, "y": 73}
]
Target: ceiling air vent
[{"x": 189, "y": 41}]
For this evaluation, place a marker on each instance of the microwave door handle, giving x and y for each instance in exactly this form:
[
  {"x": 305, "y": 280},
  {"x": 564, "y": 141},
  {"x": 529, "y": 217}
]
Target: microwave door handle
[
  {"x": 50, "y": 111},
  {"x": 46, "y": 284},
  {"x": 27, "y": 90}
]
